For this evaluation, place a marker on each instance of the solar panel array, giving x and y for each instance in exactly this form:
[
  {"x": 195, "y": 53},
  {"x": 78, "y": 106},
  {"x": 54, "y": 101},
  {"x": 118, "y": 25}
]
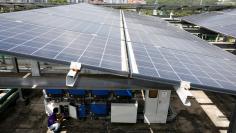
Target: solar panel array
[
  {"x": 83, "y": 33},
  {"x": 223, "y": 22},
  {"x": 167, "y": 54},
  {"x": 92, "y": 35}
]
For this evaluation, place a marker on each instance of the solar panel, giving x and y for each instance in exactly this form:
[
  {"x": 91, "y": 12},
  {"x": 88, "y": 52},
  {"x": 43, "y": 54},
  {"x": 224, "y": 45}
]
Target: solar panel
[
  {"x": 84, "y": 33},
  {"x": 219, "y": 21},
  {"x": 164, "y": 53},
  {"x": 93, "y": 36}
]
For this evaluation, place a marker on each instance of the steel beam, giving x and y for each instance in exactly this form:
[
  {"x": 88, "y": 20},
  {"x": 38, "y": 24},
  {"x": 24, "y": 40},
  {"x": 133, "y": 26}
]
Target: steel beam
[{"x": 85, "y": 81}]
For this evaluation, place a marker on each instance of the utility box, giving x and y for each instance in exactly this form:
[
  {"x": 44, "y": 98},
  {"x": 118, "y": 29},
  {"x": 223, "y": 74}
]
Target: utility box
[
  {"x": 73, "y": 112},
  {"x": 156, "y": 106},
  {"x": 124, "y": 112}
]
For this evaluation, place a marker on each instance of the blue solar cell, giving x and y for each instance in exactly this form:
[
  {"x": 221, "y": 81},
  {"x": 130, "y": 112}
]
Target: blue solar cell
[
  {"x": 2, "y": 27},
  {"x": 107, "y": 57},
  {"x": 148, "y": 71},
  {"x": 143, "y": 63},
  {"x": 6, "y": 46},
  {"x": 24, "y": 36},
  {"x": 182, "y": 70},
  {"x": 113, "y": 51},
  {"x": 189, "y": 78},
  {"x": 59, "y": 43},
  {"x": 209, "y": 82},
  {"x": 226, "y": 85},
  {"x": 73, "y": 51},
  {"x": 35, "y": 34},
  {"x": 34, "y": 44},
  {"x": 200, "y": 73},
  {"x": 89, "y": 61},
  {"x": 163, "y": 67},
  {"x": 168, "y": 75},
  {"x": 42, "y": 40},
  {"x": 23, "y": 50},
  {"x": 45, "y": 53},
  {"x": 110, "y": 64},
  {"x": 53, "y": 48},
  {"x": 14, "y": 41},
  {"x": 66, "y": 57}
]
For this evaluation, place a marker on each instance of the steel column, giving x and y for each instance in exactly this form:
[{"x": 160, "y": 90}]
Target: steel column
[
  {"x": 15, "y": 65},
  {"x": 35, "y": 68}
]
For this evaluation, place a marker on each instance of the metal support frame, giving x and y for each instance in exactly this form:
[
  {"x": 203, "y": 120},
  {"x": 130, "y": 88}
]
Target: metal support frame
[
  {"x": 138, "y": 10},
  {"x": 21, "y": 97},
  {"x": 217, "y": 37},
  {"x": 225, "y": 38},
  {"x": 171, "y": 15},
  {"x": 3, "y": 59},
  {"x": 15, "y": 65},
  {"x": 35, "y": 68},
  {"x": 183, "y": 92}
]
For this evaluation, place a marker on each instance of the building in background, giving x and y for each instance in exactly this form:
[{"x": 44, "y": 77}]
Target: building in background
[
  {"x": 226, "y": 2},
  {"x": 115, "y": 1},
  {"x": 96, "y": 1},
  {"x": 136, "y": 1},
  {"x": 75, "y": 1}
]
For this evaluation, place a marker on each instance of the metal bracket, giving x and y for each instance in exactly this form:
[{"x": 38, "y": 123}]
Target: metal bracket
[
  {"x": 183, "y": 92},
  {"x": 73, "y": 74}
]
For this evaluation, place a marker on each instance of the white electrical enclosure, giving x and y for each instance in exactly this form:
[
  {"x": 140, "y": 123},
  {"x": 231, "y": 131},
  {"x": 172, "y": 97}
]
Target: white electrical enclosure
[
  {"x": 124, "y": 112},
  {"x": 156, "y": 108},
  {"x": 72, "y": 112}
]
